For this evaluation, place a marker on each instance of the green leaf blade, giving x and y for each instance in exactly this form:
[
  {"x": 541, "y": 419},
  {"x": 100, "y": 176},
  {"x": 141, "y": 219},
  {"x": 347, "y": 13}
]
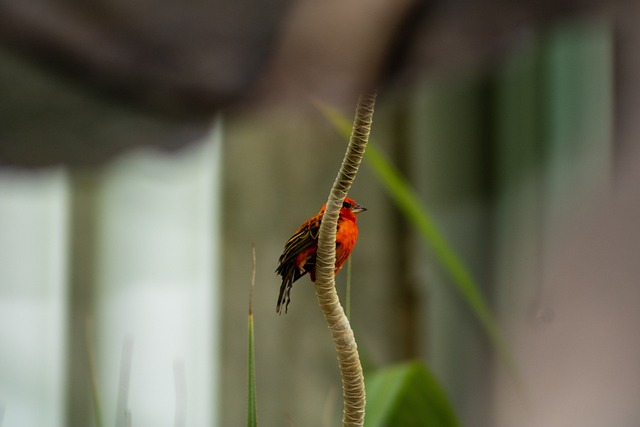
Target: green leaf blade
[
  {"x": 407, "y": 395},
  {"x": 252, "y": 410}
]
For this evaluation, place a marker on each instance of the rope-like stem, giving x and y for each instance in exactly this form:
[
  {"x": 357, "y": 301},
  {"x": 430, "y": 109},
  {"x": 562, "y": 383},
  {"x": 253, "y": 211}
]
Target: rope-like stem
[{"x": 341, "y": 332}]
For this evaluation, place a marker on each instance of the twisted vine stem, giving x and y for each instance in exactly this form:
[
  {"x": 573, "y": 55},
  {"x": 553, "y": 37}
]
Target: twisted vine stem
[{"x": 353, "y": 392}]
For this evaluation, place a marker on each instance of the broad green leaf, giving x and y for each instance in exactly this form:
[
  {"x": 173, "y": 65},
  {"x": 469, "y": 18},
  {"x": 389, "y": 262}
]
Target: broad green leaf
[{"x": 406, "y": 395}]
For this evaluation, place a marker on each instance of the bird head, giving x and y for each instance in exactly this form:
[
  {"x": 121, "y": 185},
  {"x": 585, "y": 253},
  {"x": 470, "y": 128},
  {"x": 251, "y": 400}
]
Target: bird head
[
  {"x": 351, "y": 205},
  {"x": 350, "y": 209}
]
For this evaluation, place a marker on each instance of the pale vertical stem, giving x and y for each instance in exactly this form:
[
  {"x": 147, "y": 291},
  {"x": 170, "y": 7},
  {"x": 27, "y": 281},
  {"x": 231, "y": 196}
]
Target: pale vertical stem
[{"x": 344, "y": 340}]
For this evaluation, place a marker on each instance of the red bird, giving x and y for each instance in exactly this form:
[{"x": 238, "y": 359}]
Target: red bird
[{"x": 299, "y": 256}]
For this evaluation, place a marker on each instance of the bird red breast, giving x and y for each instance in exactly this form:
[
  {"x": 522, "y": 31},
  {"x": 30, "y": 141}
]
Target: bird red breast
[{"x": 299, "y": 256}]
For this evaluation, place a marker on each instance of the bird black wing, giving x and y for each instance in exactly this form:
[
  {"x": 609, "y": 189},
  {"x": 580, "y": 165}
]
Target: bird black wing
[{"x": 304, "y": 238}]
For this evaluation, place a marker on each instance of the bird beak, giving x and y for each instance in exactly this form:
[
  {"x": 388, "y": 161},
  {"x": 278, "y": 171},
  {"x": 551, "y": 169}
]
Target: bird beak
[{"x": 357, "y": 209}]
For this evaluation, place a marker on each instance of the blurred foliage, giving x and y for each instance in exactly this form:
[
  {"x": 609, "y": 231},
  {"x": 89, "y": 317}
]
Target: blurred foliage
[{"x": 406, "y": 395}]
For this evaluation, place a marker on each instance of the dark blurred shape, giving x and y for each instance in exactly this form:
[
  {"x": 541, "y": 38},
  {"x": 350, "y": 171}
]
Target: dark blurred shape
[
  {"x": 174, "y": 57},
  {"x": 81, "y": 81}
]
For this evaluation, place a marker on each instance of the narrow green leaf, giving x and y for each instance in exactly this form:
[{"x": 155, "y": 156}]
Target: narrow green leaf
[
  {"x": 347, "y": 299},
  {"x": 407, "y": 395},
  {"x": 252, "y": 416},
  {"x": 252, "y": 408},
  {"x": 409, "y": 203},
  {"x": 93, "y": 373}
]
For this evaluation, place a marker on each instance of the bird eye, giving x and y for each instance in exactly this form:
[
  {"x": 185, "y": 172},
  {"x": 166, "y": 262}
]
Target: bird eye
[{"x": 347, "y": 205}]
